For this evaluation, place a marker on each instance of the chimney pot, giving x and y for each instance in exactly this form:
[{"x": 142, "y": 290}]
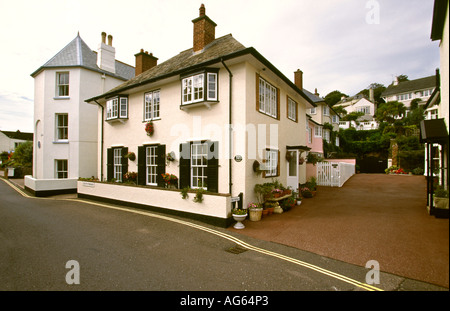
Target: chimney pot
[
  {"x": 104, "y": 37},
  {"x": 110, "y": 40},
  {"x": 202, "y": 10}
]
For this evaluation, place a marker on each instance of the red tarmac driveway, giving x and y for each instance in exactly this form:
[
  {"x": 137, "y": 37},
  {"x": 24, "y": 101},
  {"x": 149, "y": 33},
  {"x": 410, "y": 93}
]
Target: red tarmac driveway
[{"x": 372, "y": 217}]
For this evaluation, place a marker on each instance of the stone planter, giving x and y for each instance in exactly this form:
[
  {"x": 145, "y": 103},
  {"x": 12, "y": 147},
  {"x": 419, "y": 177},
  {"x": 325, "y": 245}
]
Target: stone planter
[
  {"x": 441, "y": 202},
  {"x": 255, "y": 214},
  {"x": 239, "y": 219}
]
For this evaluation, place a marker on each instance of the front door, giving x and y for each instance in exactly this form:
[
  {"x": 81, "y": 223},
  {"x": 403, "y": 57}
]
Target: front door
[{"x": 292, "y": 170}]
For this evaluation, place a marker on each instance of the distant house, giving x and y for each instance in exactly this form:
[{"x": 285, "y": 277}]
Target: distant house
[
  {"x": 65, "y": 141},
  {"x": 359, "y": 103},
  {"x": 218, "y": 116},
  {"x": 10, "y": 140},
  {"x": 406, "y": 91}
]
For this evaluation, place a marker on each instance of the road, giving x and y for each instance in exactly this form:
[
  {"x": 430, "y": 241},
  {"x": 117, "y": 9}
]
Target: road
[{"x": 125, "y": 249}]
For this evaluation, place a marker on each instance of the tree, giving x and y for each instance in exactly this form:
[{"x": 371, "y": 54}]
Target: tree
[
  {"x": 353, "y": 116},
  {"x": 390, "y": 111},
  {"x": 23, "y": 154},
  {"x": 378, "y": 89},
  {"x": 333, "y": 97},
  {"x": 402, "y": 78}
]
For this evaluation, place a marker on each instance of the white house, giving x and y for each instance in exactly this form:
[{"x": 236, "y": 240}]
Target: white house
[
  {"x": 65, "y": 140},
  {"x": 218, "y": 110},
  {"x": 406, "y": 91},
  {"x": 10, "y": 140}
]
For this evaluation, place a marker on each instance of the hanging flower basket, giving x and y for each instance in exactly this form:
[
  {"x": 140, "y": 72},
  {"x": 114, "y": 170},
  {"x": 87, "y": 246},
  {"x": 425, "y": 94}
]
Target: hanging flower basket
[
  {"x": 149, "y": 128},
  {"x": 131, "y": 156},
  {"x": 289, "y": 156},
  {"x": 301, "y": 160}
]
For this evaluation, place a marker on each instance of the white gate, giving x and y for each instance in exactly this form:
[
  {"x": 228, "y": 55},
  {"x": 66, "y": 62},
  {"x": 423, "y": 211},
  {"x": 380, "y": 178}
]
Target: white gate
[{"x": 334, "y": 174}]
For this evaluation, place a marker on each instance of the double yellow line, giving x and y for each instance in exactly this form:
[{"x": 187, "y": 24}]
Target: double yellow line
[{"x": 228, "y": 237}]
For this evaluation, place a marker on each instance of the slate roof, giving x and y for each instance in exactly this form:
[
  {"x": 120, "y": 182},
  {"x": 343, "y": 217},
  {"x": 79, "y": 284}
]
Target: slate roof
[
  {"x": 78, "y": 54},
  {"x": 18, "y": 135},
  {"x": 410, "y": 86},
  {"x": 222, "y": 48},
  {"x": 313, "y": 97}
]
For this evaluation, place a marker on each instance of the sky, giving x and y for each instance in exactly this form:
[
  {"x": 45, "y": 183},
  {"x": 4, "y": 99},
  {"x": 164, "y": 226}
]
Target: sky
[{"x": 340, "y": 45}]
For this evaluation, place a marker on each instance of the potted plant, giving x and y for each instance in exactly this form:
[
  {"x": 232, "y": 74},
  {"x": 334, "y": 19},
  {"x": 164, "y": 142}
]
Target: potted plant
[
  {"x": 149, "y": 128},
  {"x": 441, "y": 198},
  {"x": 184, "y": 193},
  {"x": 255, "y": 211},
  {"x": 239, "y": 215},
  {"x": 306, "y": 192},
  {"x": 130, "y": 177},
  {"x": 130, "y": 156},
  {"x": 170, "y": 180},
  {"x": 270, "y": 207},
  {"x": 199, "y": 195},
  {"x": 288, "y": 204}
]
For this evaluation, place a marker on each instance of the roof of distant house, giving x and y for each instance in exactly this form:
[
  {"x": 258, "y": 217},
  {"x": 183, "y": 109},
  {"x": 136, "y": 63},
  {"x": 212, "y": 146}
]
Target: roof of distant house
[
  {"x": 410, "y": 86},
  {"x": 221, "y": 49},
  {"x": 78, "y": 54},
  {"x": 18, "y": 135}
]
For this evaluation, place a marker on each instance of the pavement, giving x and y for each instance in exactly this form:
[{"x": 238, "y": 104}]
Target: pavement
[{"x": 372, "y": 217}]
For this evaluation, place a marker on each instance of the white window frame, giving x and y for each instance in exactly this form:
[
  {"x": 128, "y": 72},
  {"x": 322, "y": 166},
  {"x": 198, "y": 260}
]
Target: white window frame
[
  {"x": 268, "y": 98},
  {"x": 117, "y": 164},
  {"x": 199, "y": 87},
  {"x": 61, "y": 169},
  {"x": 62, "y": 128},
  {"x": 211, "y": 86},
  {"x": 326, "y": 135},
  {"x": 117, "y": 108},
  {"x": 151, "y": 163},
  {"x": 312, "y": 110},
  {"x": 292, "y": 109},
  {"x": 271, "y": 157},
  {"x": 326, "y": 110},
  {"x": 317, "y": 131},
  {"x": 152, "y": 105},
  {"x": 62, "y": 87},
  {"x": 335, "y": 119},
  {"x": 199, "y": 164}
]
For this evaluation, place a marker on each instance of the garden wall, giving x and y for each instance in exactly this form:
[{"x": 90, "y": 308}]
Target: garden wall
[{"x": 215, "y": 208}]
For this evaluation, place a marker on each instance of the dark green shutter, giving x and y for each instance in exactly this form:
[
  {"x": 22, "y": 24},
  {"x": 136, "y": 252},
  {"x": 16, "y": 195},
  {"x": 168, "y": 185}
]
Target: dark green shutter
[
  {"x": 161, "y": 162},
  {"x": 185, "y": 165},
  {"x": 124, "y": 162},
  {"x": 142, "y": 169},
  {"x": 212, "y": 170},
  {"x": 109, "y": 164}
]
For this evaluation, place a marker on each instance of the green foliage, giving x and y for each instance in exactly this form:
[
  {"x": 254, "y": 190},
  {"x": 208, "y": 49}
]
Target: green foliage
[
  {"x": 440, "y": 192},
  {"x": 23, "y": 155},
  {"x": 333, "y": 97},
  {"x": 388, "y": 112},
  {"x": 199, "y": 195},
  {"x": 352, "y": 116},
  {"x": 184, "y": 193},
  {"x": 378, "y": 89}
]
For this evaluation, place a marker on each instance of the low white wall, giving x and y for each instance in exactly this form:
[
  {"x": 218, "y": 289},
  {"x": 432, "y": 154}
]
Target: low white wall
[
  {"x": 212, "y": 205},
  {"x": 49, "y": 184}
]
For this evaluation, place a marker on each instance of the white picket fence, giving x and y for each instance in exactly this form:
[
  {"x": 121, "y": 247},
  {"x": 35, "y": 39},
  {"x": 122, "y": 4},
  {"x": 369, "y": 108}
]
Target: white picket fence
[{"x": 334, "y": 174}]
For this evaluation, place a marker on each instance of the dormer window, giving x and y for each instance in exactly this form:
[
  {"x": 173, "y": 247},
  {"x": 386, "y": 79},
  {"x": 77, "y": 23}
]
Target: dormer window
[
  {"x": 117, "y": 108},
  {"x": 199, "y": 87}
]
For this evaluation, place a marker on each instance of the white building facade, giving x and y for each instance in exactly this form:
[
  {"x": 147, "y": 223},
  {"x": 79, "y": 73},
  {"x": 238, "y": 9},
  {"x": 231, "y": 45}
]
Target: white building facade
[{"x": 65, "y": 140}]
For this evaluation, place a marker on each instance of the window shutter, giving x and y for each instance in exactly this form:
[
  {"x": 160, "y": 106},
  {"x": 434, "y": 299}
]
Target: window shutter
[
  {"x": 212, "y": 171},
  {"x": 257, "y": 92},
  {"x": 124, "y": 162},
  {"x": 185, "y": 165},
  {"x": 161, "y": 162},
  {"x": 142, "y": 169},
  {"x": 278, "y": 164},
  {"x": 109, "y": 163},
  {"x": 278, "y": 103}
]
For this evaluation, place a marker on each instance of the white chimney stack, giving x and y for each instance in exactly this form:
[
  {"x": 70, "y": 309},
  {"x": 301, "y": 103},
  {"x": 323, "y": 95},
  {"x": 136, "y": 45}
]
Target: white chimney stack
[{"x": 106, "y": 56}]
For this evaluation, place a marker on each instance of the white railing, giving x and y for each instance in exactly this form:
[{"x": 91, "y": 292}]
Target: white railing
[{"x": 334, "y": 174}]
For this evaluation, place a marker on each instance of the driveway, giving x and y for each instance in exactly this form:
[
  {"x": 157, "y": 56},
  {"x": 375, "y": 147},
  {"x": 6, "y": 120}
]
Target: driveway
[{"x": 372, "y": 217}]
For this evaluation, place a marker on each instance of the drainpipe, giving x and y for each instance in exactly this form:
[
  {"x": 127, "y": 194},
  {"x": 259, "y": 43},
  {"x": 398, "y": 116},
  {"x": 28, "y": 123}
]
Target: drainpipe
[
  {"x": 101, "y": 143},
  {"x": 230, "y": 126}
]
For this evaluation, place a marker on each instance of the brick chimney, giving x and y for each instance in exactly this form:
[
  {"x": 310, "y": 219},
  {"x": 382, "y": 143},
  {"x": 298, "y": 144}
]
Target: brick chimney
[
  {"x": 204, "y": 30},
  {"x": 144, "y": 61},
  {"x": 106, "y": 55},
  {"x": 298, "y": 79}
]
